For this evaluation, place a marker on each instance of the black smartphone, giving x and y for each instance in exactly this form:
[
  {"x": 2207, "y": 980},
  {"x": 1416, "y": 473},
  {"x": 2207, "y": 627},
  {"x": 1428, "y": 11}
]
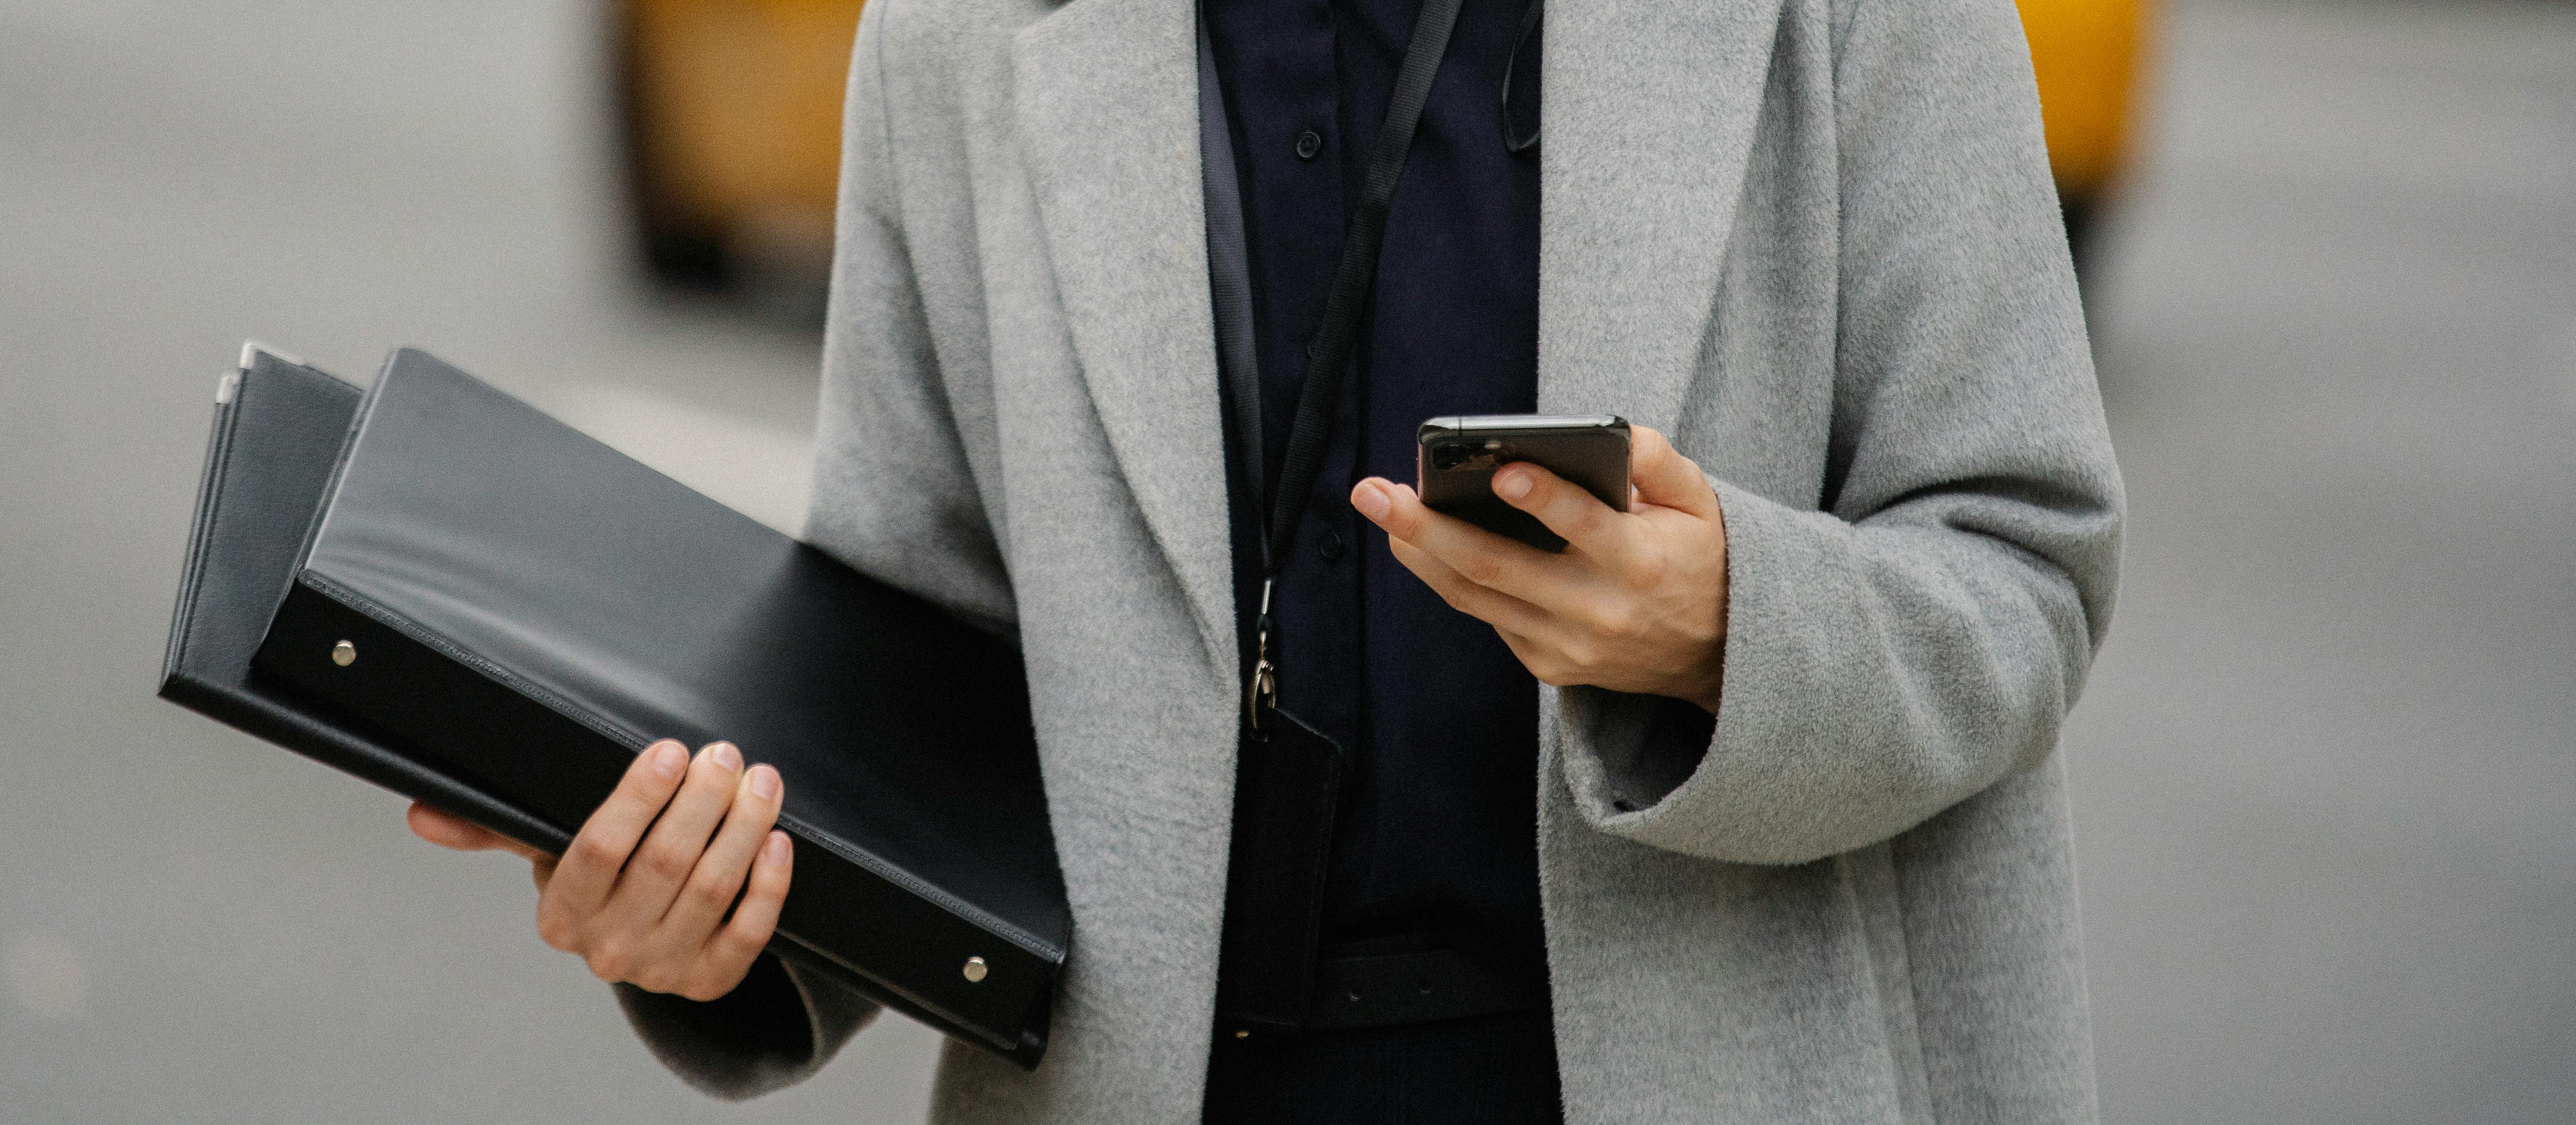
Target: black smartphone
[{"x": 1454, "y": 466}]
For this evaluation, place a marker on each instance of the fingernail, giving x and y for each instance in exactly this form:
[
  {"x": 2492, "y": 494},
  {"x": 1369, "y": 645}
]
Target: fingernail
[
  {"x": 775, "y": 851},
  {"x": 764, "y": 783},
  {"x": 1512, "y": 485},
  {"x": 1370, "y": 500},
  {"x": 666, "y": 758},
  {"x": 726, "y": 757}
]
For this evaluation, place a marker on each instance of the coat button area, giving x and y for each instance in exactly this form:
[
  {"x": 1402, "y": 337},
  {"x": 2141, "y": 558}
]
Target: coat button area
[
  {"x": 1309, "y": 143},
  {"x": 1331, "y": 546}
]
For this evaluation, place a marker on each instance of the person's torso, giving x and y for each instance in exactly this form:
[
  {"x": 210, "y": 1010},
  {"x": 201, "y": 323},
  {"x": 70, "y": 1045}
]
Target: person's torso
[{"x": 1040, "y": 169}]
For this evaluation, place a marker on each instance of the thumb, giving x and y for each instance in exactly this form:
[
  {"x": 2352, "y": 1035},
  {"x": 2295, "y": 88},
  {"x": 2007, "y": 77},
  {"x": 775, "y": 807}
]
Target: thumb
[
  {"x": 1665, "y": 478},
  {"x": 447, "y": 830}
]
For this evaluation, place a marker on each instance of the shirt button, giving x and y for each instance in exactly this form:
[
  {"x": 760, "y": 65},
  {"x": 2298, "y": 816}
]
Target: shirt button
[
  {"x": 1331, "y": 546},
  {"x": 1309, "y": 143}
]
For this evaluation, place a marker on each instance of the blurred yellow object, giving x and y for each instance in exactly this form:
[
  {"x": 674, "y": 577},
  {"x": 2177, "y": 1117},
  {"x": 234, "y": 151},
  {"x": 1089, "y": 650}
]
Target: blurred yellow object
[
  {"x": 2086, "y": 55},
  {"x": 733, "y": 129},
  {"x": 732, "y": 114}
]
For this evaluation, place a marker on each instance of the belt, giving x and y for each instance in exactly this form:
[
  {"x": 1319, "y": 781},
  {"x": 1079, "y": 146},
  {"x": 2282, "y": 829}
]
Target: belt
[{"x": 1416, "y": 986}]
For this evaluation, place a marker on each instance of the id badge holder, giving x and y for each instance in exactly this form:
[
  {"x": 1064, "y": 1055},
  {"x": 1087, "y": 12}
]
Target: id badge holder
[{"x": 1288, "y": 781}]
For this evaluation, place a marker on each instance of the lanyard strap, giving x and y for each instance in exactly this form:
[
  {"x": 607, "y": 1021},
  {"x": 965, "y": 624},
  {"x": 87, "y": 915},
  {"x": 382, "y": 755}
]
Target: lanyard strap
[
  {"x": 1328, "y": 357},
  {"x": 1230, "y": 284}
]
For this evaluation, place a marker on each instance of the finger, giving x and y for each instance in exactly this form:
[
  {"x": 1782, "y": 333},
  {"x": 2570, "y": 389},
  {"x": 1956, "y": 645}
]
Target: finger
[
  {"x": 1402, "y": 515},
  {"x": 1493, "y": 607},
  {"x": 1548, "y": 581},
  {"x": 448, "y": 830},
  {"x": 1586, "y": 524},
  {"x": 598, "y": 852},
  {"x": 1538, "y": 658},
  {"x": 1533, "y": 635},
  {"x": 719, "y": 874},
  {"x": 1666, "y": 478},
  {"x": 671, "y": 850},
  {"x": 730, "y": 952}
]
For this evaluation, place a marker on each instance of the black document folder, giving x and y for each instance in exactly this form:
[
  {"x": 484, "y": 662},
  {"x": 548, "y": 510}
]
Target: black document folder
[{"x": 442, "y": 590}]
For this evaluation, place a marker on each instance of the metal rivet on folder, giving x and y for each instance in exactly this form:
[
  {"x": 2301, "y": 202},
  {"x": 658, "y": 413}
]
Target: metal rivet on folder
[
  {"x": 975, "y": 970},
  {"x": 344, "y": 654}
]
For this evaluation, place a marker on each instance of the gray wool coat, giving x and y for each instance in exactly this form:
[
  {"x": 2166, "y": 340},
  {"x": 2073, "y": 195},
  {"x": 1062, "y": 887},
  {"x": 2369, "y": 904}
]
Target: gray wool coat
[{"x": 1812, "y": 240}]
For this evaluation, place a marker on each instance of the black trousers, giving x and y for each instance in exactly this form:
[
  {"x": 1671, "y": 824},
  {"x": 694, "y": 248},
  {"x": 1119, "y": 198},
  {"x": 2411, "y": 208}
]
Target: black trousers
[{"x": 1500, "y": 1070}]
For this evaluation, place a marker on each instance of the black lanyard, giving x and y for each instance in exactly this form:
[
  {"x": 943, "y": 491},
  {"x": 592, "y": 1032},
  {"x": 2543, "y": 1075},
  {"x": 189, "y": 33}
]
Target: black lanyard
[{"x": 1328, "y": 357}]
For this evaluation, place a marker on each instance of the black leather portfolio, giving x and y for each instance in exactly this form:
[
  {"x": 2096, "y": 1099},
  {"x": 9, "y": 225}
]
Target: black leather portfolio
[{"x": 440, "y": 589}]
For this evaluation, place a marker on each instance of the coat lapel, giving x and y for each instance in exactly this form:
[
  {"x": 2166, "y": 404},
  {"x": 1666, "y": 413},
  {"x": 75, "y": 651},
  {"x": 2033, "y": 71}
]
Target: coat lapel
[
  {"x": 1649, "y": 110},
  {"x": 1106, "y": 96}
]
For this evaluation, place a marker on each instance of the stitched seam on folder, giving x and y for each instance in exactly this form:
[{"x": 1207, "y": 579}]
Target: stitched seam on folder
[{"x": 635, "y": 742}]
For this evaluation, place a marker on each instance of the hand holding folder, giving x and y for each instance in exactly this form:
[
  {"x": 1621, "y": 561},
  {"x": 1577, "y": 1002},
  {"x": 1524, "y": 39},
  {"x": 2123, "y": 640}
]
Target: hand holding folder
[
  {"x": 444, "y": 591},
  {"x": 673, "y": 885}
]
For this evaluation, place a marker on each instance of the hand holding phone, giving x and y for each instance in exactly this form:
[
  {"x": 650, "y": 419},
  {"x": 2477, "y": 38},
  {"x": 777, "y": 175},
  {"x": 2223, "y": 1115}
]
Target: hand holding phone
[
  {"x": 1637, "y": 602},
  {"x": 1458, "y": 454}
]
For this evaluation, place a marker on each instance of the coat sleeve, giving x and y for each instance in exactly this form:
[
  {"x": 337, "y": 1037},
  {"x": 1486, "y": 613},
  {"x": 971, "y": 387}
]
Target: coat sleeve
[
  {"x": 894, "y": 496},
  {"x": 772, "y": 1031},
  {"x": 1922, "y": 635}
]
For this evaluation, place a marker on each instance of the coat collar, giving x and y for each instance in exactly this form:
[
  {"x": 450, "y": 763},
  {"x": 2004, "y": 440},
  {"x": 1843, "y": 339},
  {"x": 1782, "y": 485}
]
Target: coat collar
[{"x": 1649, "y": 109}]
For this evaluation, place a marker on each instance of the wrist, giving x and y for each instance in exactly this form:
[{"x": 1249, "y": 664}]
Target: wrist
[
  {"x": 1705, "y": 689},
  {"x": 1706, "y": 699}
]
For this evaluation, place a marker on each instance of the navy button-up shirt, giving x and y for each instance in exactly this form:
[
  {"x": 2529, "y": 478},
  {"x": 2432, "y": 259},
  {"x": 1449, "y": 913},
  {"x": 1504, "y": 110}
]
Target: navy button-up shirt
[{"x": 1437, "y": 833}]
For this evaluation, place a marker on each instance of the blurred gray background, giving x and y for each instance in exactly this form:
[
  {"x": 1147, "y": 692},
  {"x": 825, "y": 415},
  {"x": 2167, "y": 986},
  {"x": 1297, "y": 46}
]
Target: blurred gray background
[{"x": 2322, "y": 775}]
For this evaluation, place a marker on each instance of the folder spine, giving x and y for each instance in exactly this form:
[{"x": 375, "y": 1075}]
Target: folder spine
[{"x": 210, "y": 486}]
